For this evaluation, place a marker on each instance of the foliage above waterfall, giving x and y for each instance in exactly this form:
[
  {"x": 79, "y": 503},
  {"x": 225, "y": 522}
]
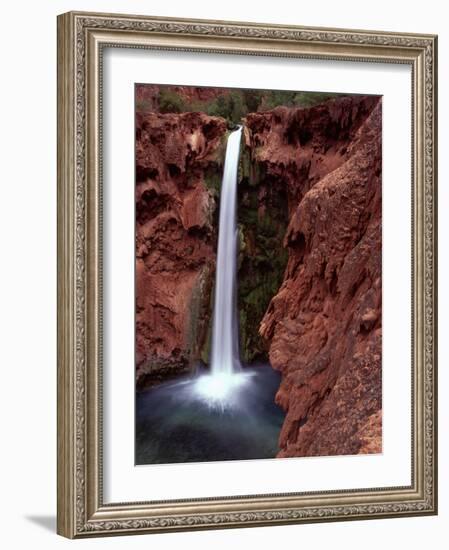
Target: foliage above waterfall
[{"x": 229, "y": 103}]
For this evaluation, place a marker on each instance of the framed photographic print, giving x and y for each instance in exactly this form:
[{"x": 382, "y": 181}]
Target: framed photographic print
[{"x": 246, "y": 274}]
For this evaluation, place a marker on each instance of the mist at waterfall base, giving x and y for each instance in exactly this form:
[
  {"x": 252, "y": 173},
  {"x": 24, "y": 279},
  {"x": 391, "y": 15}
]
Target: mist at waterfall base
[
  {"x": 176, "y": 422},
  {"x": 228, "y": 411}
]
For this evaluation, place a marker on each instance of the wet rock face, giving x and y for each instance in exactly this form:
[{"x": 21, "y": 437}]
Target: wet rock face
[
  {"x": 323, "y": 326},
  {"x": 309, "y": 264},
  {"x": 179, "y": 159},
  {"x": 262, "y": 218}
]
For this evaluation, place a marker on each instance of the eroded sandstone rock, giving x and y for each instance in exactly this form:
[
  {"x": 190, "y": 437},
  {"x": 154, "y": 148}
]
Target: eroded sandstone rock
[
  {"x": 323, "y": 326},
  {"x": 177, "y": 158}
]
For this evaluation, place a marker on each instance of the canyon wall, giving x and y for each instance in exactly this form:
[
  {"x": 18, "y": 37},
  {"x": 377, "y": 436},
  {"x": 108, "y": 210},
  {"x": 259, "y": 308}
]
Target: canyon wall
[
  {"x": 309, "y": 219},
  {"x": 179, "y": 162},
  {"x": 323, "y": 326},
  {"x": 174, "y": 99},
  {"x": 262, "y": 219}
]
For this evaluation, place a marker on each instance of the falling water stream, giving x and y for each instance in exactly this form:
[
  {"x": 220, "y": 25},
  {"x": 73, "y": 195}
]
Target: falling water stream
[
  {"x": 226, "y": 375},
  {"x": 225, "y": 348},
  {"x": 227, "y": 412}
]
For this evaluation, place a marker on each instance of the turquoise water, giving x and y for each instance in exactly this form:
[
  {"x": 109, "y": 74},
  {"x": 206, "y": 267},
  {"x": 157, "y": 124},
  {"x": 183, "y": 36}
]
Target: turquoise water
[{"x": 175, "y": 422}]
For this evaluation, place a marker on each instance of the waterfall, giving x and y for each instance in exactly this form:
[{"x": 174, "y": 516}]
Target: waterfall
[
  {"x": 225, "y": 346},
  {"x": 221, "y": 386}
]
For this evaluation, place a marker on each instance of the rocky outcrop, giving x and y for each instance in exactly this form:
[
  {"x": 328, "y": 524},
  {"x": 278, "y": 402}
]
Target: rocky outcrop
[
  {"x": 179, "y": 161},
  {"x": 323, "y": 326},
  {"x": 309, "y": 263},
  {"x": 150, "y": 98},
  {"x": 262, "y": 219}
]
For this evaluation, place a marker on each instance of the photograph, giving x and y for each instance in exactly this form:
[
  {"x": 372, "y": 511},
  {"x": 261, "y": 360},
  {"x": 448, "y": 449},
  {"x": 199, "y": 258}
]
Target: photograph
[
  {"x": 223, "y": 241},
  {"x": 247, "y": 273},
  {"x": 258, "y": 274}
]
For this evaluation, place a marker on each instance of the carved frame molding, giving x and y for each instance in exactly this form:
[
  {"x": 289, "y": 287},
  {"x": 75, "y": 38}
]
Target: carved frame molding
[{"x": 81, "y": 39}]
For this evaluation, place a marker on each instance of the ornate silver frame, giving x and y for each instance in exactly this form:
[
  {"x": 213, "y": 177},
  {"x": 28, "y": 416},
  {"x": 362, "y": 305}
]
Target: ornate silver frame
[{"x": 81, "y": 37}]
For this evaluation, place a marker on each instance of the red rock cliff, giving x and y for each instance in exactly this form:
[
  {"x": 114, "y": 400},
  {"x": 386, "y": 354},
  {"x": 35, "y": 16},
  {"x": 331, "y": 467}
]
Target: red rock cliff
[
  {"x": 323, "y": 326},
  {"x": 178, "y": 158}
]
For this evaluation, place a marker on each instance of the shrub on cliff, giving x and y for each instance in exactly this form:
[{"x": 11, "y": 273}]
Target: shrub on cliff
[
  {"x": 171, "y": 102},
  {"x": 275, "y": 98},
  {"x": 230, "y": 106}
]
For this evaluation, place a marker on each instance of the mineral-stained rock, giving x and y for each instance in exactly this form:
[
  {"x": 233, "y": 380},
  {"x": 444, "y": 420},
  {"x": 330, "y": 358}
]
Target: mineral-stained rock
[
  {"x": 319, "y": 169},
  {"x": 262, "y": 219},
  {"x": 323, "y": 327},
  {"x": 177, "y": 156},
  {"x": 148, "y": 97}
]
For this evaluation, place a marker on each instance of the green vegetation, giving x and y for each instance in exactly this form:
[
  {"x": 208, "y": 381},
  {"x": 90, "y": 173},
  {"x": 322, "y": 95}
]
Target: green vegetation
[
  {"x": 199, "y": 326},
  {"x": 234, "y": 104},
  {"x": 262, "y": 216},
  {"x": 262, "y": 222},
  {"x": 142, "y": 105},
  {"x": 274, "y": 98},
  {"x": 212, "y": 179},
  {"x": 231, "y": 106},
  {"x": 171, "y": 102}
]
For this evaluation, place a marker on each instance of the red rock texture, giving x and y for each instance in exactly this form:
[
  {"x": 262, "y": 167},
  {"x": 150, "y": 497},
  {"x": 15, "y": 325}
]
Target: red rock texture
[
  {"x": 195, "y": 93},
  {"x": 175, "y": 238},
  {"x": 323, "y": 327},
  {"x": 147, "y": 97}
]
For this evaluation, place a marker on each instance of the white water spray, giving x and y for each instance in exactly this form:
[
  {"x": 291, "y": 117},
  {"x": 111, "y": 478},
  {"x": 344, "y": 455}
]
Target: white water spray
[
  {"x": 225, "y": 347},
  {"x": 226, "y": 375}
]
